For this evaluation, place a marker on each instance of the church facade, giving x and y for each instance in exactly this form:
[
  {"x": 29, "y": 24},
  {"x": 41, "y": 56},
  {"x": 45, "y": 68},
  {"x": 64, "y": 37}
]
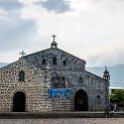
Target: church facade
[{"x": 51, "y": 80}]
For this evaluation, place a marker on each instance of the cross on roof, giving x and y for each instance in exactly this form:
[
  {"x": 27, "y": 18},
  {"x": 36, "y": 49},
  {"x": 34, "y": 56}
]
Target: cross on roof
[
  {"x": 54, "y": 37},
  {"x": 22, "y": 53},
  {"x": 54, "y": 44}
]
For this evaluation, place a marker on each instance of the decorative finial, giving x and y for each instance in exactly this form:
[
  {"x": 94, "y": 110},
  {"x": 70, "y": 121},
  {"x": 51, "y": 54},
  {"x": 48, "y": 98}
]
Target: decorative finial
[
  {"x": 54, "y": 44},
  {"x": 22, "y": 53},
  {"x": 105, "y": 68}
]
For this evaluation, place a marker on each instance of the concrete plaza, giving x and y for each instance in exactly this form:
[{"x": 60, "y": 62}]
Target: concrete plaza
[{"x": 64, "y": 121}]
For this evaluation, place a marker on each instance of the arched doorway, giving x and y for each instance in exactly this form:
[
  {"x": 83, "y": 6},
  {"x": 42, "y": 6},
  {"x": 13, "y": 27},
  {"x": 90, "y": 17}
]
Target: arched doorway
[
  {"x": 81, "y": 101},
  {"x": 19, "y": 102}
]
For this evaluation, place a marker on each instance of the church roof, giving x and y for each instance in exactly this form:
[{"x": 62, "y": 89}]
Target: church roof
[
  {"x": 53, "y": 52},
  {"x": 54, "y": 49},
  {"x": 57, "y": 49}
]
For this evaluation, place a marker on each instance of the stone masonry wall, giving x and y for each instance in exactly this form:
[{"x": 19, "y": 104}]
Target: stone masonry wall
[
  {"x": 61, "y": 105},
  {"x": 38, "y": 80},
  {"x": 74, "y": 69},
  {"x": 72, "y": 62},
  {"x": 93, "y": 85},
  {"x": 34, "y": 87},
  {"x": 97, "y": 87}
]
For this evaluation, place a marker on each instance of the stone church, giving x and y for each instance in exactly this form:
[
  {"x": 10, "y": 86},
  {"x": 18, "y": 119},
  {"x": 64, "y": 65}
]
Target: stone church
[{"x": 51, "y": 80}]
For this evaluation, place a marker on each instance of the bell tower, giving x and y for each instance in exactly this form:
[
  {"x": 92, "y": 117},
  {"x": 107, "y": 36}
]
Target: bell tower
[{"x": 106, "y": 75}]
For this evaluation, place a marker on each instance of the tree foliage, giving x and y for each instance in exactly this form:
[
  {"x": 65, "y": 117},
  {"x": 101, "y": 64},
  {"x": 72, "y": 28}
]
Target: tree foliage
[{"x": 117, "y": 96}]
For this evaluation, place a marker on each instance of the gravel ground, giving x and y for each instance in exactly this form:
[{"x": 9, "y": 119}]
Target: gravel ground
[{"x": 64, "y": 121}]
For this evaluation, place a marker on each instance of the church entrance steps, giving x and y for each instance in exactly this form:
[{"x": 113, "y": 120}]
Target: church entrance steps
[{"x": 39, "y": 115}]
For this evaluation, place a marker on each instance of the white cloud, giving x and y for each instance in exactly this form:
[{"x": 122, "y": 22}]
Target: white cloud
[
  {"x": 10, "y": 56},
  {"x": 29, "y": 2},
  {"x": 89, "y": 25},
  {"x": 107, "y": 54},
  {"x": 80, "y": 5},
  {"x": 91, "y": 29},
  {"x": 3, "y": 14}
]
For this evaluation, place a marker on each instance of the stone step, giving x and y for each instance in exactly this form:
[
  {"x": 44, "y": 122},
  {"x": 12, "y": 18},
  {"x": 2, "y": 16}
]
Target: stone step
[{"x": 33, "y": 115}]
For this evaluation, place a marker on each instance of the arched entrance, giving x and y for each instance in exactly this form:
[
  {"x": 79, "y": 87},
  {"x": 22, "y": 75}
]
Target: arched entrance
[
  {"x": 81, "y": 101},
  {"x": 19, "y": 102}
]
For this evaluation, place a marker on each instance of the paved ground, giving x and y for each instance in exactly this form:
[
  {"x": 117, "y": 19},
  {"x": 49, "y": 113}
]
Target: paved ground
[{"x": 64, "y": 121}]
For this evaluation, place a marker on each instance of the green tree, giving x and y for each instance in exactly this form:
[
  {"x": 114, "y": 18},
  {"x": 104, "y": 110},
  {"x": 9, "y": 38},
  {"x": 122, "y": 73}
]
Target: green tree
[{"x": 117, "y": 96}]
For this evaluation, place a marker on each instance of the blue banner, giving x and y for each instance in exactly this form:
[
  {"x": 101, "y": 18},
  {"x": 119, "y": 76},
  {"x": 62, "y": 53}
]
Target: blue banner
[{"x": 60, "y": 93}]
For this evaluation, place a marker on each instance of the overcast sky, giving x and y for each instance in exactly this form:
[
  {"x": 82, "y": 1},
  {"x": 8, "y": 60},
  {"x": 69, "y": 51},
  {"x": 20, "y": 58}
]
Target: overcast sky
[{"x": 90, "y": 29}]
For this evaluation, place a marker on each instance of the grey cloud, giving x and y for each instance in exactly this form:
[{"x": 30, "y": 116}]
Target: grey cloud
[
  {"x": 107, "y": 59},
  {"x": 10, "y": 4},
  {"x": 58, "y": 6},
  {"x": 13, "y": 37}
]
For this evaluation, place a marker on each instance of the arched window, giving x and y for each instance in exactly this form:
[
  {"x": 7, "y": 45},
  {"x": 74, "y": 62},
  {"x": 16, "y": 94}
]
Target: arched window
[
  {"x": 64, "y": 63},
  {"x": 58, "y": 82},
  {"x": 54, "y": 61},
  {"x": 80, "y": 80},
  {"x": 44, "y": 61},
  {"x": 21, "y": 76},
  {"x": 55, "y": 82},
  {"x": 62, "y": 82}
]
